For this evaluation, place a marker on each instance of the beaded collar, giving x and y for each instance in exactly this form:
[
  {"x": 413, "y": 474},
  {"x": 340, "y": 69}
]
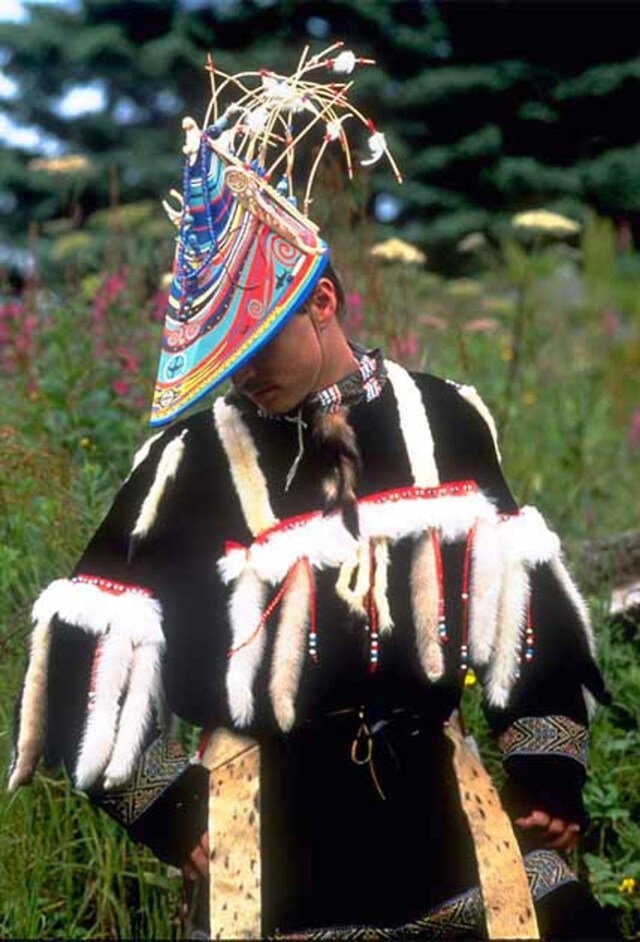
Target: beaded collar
[{"x": 364, "y": 384}]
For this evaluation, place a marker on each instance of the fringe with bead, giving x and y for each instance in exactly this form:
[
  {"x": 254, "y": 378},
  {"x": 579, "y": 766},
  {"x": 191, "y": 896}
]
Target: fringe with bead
[
  {"x": 381, "y": 585},
  {"x": 290, "y": 644}
]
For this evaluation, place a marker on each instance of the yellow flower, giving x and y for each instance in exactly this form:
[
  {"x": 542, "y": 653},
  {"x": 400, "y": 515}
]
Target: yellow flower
[
  {"x": 463, "y": 288},
  {"x": 472, "y": 242},
  {"x": 543, "y": 220},
  {"x": 85, "y": 442},
  {"x": 470, "y": 679},
  {"x": 628, "y": 886},
  {"x": 396, "y": 250},
  {"x": 69, "y": 163}
]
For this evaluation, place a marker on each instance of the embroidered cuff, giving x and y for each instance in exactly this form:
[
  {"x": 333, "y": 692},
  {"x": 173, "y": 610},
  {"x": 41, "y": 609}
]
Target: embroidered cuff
[
  {"x": 545, "y": 736},
  {"x": 164, "y": 804}
]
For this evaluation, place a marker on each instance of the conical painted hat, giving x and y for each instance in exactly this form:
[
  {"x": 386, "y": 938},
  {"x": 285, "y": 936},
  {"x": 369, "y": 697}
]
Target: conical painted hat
[{"x": 246, "y": 257}]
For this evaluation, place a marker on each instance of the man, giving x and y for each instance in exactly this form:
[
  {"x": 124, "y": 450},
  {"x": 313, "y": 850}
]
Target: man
[{"x": 306, "y": 572}]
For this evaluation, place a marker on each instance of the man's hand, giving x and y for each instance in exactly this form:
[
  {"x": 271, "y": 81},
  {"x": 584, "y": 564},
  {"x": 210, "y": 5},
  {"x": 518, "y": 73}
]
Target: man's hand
[
  {"x": 552, "y": 833},
  {"x": 197, "y": 864}
]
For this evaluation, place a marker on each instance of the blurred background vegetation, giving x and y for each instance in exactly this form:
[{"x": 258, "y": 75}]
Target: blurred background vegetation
[{"x": 492, "y": 109}]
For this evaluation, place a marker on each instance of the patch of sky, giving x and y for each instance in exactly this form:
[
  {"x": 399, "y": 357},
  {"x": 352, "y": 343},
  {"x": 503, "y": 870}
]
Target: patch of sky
[
  {"x": 81, "y": 99},
  {"x": 16, "y": 11},
  {"x": 386, "y": 207},
  {"x": 126, "y": 111},
  {"x": 318, "y": 27},
  {"x": 28, "y": 138},
  {"x": 8, "y": 88}
]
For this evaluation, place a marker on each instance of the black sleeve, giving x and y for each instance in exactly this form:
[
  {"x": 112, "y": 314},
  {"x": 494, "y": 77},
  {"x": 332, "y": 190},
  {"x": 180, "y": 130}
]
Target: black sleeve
[
  {"x": 542, "y": 728},
  {"x": 114, "y": 647}
]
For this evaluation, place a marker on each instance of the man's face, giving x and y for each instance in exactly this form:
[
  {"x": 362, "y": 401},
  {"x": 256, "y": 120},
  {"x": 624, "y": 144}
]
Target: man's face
[{"x": 283, "y": 372}]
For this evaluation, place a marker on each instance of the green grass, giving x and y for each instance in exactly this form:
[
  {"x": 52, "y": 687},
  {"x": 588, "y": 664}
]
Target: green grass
[{"x": 550, "y": 337}]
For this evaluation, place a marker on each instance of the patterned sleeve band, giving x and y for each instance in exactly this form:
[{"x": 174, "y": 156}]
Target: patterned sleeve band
[
  {"x": 545, "y": 736},
  {"x": 164, "y": 804}
]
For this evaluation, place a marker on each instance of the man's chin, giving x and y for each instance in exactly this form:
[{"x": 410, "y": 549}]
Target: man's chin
[{"x": 273, "y": 402}]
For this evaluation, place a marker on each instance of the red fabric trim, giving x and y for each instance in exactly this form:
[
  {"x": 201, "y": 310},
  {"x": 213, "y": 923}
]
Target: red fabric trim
[
  {"x": 110, "y": 586},
  {"x": 411, "y": 492}
]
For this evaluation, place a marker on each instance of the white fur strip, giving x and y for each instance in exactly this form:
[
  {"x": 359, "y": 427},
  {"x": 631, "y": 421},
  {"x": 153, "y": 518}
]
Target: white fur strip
[
  {"x": 137, "y": 616},
  {"x": 381, "y": 585},
  {"x": 245, "y": 612},
  {"x": 561, "y": 573},
  {"x": 471, "y": 394},
  {"x": 143, "y": 451},
  {"x": 166, "y": 472},
  {"x": 248, "y": 479},
  {"x": 486, "y": 582},
  {"x": 32, "y": 707},
  {"x": 526, "y": 536},
  {"x": 424, "y": 600},
  {"x": 289, "y": 649},
  {"x": 414, "y": 425},
  {"x": 136, "y": 714},
  {"x": 114, "y": 662},
  {"x": 328, "y": 544},
  {"x": 512, "y": 616}
]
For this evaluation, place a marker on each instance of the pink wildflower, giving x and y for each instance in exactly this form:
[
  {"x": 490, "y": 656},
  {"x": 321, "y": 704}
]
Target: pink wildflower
[
  {"x": 121, "y": 387},
  {"x": 633, "y": 434}
]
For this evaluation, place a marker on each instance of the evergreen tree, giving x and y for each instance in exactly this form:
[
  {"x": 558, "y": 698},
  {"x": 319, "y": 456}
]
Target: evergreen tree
[{"x": 490, "y": 107}]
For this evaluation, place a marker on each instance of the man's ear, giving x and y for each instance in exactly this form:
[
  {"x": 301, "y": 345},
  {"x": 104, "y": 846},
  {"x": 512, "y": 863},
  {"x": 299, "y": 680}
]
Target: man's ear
[{"x": 323, "y": 303}]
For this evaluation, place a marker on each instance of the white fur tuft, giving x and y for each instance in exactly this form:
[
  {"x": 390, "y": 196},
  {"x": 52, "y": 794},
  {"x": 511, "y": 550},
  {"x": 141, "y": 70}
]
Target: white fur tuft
[
  {"x": 425, "y": 604},
  {"x": 137, "y": 711},
  {"x": 289, "y": 649},
  {"x": 414, "y": 425},
  {"x": 245, "y": 613},
  {"x": 512, "y": 616},
  {"x": 486, "y": 581},
  {"x": 473, "y": 397},
  {"x": 114, "y": 654},
  {"x": 32, "y": 707},
  {"x": 166, "y": 472},
  {"x": 242, "y": 454}
]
